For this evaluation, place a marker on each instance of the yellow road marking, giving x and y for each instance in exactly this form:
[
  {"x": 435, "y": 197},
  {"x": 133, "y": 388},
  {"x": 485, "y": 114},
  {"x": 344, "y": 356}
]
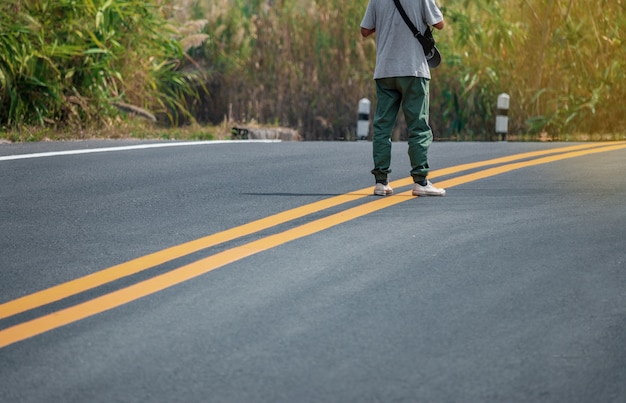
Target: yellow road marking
[
  {"x": 113, "y": 273},
  {"x": 142, "y": 263},
  {"x": 518, "y": 165},
  {"x": 114, "y": 299},
  {"x": 501, "y": 160}
]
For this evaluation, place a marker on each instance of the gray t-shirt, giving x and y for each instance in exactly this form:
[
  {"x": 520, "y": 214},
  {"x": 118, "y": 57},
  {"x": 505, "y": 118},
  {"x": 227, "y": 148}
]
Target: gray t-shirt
[{"x": 398, "y": 52}]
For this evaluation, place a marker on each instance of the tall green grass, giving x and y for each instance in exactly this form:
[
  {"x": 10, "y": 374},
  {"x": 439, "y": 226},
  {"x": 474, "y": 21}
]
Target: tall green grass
[
  {"x": 560, "y": 60},
  {"x": 67, "y": 62},
  {"x": 303, "y": 64}
]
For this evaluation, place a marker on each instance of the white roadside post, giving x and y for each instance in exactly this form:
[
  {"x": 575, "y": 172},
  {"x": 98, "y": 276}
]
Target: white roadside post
[
  {"x": 363, "y": 120},
  {"x": 502, "y": 117}
]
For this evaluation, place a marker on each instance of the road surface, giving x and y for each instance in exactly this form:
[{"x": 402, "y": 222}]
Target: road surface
[{"x": 267, "y": 272}]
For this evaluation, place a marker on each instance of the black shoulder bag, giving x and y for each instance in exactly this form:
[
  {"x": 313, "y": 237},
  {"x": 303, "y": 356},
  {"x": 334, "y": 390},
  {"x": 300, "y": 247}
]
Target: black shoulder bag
[{"x": 427, "y": 40}]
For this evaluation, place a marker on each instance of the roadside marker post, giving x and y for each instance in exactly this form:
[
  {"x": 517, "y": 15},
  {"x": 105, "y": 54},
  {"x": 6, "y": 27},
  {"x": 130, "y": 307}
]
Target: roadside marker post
[
  {"x": 502, "y": 116},
  {"x": 363, "y": 120}
]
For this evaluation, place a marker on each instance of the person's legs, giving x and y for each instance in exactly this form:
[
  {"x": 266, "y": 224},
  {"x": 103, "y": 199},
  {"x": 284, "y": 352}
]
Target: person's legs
[
  {"x": 388, "y": 99},
  {"x": 415, "y": 106}
]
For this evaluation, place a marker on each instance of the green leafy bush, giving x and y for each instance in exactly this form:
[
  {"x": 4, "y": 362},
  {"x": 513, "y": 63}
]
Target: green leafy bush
[
  {"x": 68, "y": 62},
  {"x": 303, "y": 64}
]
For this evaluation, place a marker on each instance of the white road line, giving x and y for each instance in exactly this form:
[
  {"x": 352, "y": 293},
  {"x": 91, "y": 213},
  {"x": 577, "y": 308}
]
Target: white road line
[{"x": 129, "y": 148}]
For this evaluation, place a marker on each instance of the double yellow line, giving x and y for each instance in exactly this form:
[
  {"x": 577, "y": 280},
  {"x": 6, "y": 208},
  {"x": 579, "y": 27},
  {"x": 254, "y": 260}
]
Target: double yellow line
[{"x": 22, "y": 331}]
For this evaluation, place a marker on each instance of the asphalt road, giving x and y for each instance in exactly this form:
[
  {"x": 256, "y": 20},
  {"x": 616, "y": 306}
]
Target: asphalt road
[{"x": 266, "y": 272}]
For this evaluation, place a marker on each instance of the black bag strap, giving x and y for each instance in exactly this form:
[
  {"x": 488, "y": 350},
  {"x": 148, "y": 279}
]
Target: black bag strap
[
  {"x": 406, "y": 19},
  {"x": 426, "y": 40}
]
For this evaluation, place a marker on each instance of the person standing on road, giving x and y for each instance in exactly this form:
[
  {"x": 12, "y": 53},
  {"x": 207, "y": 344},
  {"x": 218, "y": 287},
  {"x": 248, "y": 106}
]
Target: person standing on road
[{"x": 402, "y": 77}]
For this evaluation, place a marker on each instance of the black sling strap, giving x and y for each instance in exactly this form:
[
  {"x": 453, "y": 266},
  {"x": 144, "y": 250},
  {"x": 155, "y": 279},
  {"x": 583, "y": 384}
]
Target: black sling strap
[{"x": 427, "y": 40}]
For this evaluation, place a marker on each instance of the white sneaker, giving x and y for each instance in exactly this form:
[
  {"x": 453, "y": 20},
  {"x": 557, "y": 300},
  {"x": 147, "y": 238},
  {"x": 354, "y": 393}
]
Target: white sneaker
[
  {"x": 383, "y": 190},
  {"x": 428, "y": 190}
]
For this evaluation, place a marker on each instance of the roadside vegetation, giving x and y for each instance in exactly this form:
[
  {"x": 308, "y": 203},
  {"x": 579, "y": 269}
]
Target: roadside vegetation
[{"x": 72, "y": 69}]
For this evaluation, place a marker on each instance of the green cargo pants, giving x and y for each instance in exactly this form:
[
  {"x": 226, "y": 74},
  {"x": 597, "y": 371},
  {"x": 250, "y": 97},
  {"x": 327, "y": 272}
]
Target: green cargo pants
[{"x": 412, "y": 93}]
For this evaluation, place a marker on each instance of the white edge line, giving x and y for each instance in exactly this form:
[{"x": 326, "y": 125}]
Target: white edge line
[{"x": 128, "y": 148}]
